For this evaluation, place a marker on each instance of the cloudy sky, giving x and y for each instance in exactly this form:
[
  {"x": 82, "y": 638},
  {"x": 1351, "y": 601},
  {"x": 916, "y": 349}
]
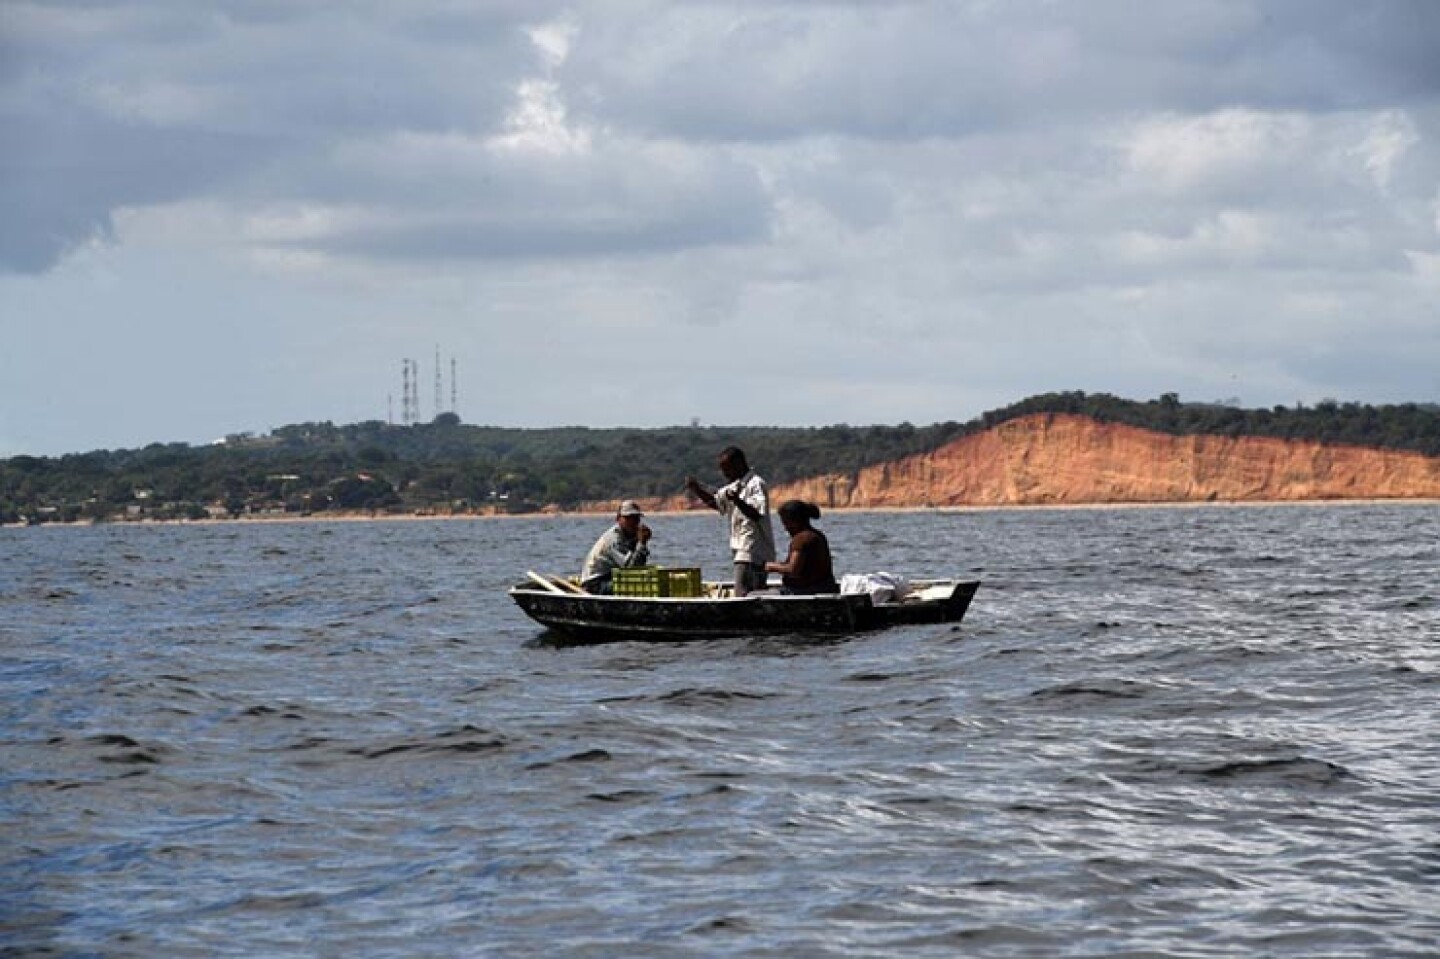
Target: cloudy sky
[{"x": 220, "y": 216}]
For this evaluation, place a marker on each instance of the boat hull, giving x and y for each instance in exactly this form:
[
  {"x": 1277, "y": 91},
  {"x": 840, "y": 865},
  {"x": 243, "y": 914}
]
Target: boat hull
[{"x": 586, "y": 618}]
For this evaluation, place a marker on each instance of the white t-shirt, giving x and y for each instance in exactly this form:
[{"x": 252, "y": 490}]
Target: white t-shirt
[{"x": 750, "y": 542}]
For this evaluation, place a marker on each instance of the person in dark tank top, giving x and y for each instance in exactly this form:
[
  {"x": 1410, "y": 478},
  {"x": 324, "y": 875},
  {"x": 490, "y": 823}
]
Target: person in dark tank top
[{"x": 808, "y": 569}]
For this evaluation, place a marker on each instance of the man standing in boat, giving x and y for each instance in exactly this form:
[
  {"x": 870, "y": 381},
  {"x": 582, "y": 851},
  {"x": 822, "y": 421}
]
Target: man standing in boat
[
  {"x": 745, "y": 502},
  {"x": 622, "y": 546}
]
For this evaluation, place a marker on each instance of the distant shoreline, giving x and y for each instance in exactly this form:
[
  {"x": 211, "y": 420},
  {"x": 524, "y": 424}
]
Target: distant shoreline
[{"x": 365, "y": 517}]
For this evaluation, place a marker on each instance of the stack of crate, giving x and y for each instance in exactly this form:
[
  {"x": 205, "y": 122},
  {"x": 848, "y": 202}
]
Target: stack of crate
[{"x": 652, "y": 581}]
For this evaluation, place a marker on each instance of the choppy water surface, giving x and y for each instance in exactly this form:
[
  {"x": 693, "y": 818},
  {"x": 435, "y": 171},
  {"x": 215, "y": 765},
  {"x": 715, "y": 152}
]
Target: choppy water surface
[{"x": 1159, "y": 732}]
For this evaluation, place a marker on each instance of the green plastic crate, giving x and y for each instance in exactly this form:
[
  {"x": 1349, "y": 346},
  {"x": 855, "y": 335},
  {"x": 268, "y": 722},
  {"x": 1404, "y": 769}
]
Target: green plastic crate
[
  {"x": 683, "y": 581},
  {"x": 640, "y": 581}
]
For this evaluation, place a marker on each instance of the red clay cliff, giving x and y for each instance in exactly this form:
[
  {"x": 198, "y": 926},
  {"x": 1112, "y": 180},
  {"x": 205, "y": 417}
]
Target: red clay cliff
[{"x": 1056, "y": 458}]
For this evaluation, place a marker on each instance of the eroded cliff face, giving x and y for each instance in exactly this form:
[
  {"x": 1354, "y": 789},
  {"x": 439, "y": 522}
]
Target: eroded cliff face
[{"x": 1064, "y": 459}]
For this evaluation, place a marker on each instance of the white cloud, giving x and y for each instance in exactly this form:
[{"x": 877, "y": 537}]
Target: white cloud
[
  {"x": 1183, "y": 154},
  {"x": 1391, "y": 135},
  {"x": 1425, "y": 266},
  {"x": 554, "y": 40},
  {"x": 538, "y": 123}
]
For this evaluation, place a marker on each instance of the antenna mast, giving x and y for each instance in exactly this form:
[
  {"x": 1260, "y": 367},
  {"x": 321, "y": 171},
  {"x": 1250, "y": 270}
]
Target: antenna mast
[
  {"x": 410, "y": 392},
  {"x": 438, "y": 400},
  {"x": 414, "y": 392},
  {"x": 404, "y": 392}
]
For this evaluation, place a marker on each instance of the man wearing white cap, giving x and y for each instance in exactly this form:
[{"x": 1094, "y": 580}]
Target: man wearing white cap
[{"x": 622, "y": 546}]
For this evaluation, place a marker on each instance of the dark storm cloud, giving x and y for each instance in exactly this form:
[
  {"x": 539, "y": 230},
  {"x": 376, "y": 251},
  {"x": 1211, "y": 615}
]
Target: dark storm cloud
[
  {"x": 68, "y": 173},
  {"x": 261, "y": 103},
  {"x": 916, "y": 70},
  {"x": 107, "y": 106}
]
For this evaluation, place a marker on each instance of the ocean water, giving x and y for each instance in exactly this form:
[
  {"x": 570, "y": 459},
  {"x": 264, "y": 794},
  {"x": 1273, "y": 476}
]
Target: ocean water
[{"x": 1204, "y": 731}]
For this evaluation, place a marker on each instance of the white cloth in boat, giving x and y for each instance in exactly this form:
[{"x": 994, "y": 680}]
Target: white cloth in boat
[{"x": 882, "y": 587}]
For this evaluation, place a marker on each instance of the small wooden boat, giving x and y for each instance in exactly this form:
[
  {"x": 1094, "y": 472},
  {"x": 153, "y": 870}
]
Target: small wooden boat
[{"x": 577, "y": 616}]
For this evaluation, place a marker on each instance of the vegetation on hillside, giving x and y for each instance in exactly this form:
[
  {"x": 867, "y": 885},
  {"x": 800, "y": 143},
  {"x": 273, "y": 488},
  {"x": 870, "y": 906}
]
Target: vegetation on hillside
[
  {"x": 447, "y": 466},
  {"x": 1408, "y": 426}
]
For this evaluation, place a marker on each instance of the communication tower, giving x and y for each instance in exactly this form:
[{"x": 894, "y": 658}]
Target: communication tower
[
  {"x": 410, "y": 414},
  {"x": 409, "y": 392},
  {"x": 404, "y": 392},
  {"x": 438, "y": 399}
]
